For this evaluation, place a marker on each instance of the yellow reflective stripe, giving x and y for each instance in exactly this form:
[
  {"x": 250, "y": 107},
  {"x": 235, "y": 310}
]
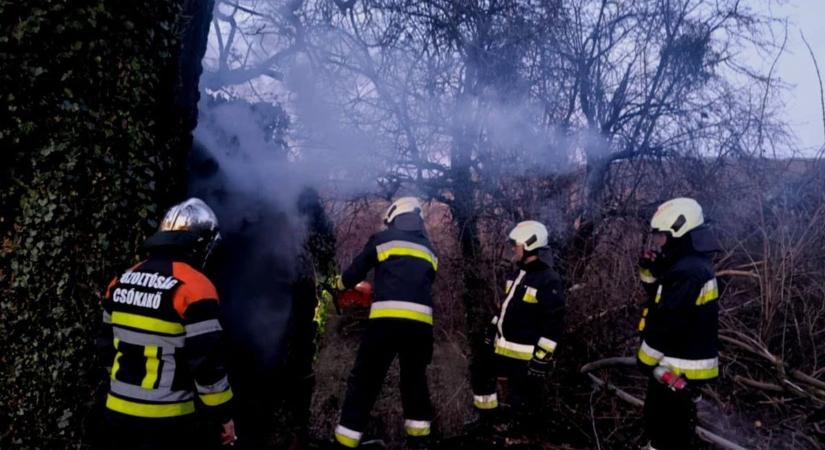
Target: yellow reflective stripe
[
  {"x": 693, "y": 369},
  {"x": 513, "y": 350},
  {"x": 649, "y": 355},
  {"x": 697, "y": 374},
  {"x": 149, "y": 410},
  {"x": 152, "y": 364},
  {"x": 346, "y": 441},
  {"x": 547, "y": 345},
  {"x": 658, "y": 294},
  {"x": 217, "y": 398},
  {"x": 642, "y": 321},
  {"x": 116, "y": 365},
  {"x": 709, "y": 293},
  {"x": 485, "y": 401},
  {"x": 646, "y": 276},
  {"x": 146, "y": 323},
  {"x": 508, "y": 286},
  {"x": 647, "y": 359},
  {"x": 418, "y": 432},
  {"x": 401, "y": 314},
  {"x": 530, "y": 295},
  {"x": 415, "y": 253},
  {"x": 515, "y": 354},
  {"x": 417, "y": 428},
  {"x": 346, "y": 437}
]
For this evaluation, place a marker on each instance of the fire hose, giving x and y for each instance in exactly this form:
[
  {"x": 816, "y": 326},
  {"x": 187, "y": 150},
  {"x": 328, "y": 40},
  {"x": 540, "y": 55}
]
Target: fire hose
[{"x": 702, "y": 432}]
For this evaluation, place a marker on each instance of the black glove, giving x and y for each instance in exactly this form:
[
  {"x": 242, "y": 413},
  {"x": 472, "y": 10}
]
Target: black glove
[
  {"x": 540, "y": 367},
  {"x": 649, "y": 259}
]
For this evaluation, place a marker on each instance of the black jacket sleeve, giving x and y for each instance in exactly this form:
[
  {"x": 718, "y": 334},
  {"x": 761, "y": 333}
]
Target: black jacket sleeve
[
  {"x": 204, "y": 350},
  {"x": 551, "y": 308},
  {"x": 361, "y": 265}
]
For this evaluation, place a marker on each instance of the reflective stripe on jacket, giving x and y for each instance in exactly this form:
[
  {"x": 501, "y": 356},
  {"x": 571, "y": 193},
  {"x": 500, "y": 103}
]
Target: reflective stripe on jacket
[
  {"x": 679, "y": 322},
  {"x": 531, "y": 319},
  {"x": 161, "y": 322},
  {"x": 405, "y": 265}
]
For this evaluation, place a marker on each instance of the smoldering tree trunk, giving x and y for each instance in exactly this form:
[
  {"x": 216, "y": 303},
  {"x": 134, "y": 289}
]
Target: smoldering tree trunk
[
  {"x": 581, "y": 245},
  {"x": 465, "y": 215},
  {"x": 185, "y": 93}
]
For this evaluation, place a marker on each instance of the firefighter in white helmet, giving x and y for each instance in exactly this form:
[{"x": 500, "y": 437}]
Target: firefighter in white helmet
[
  {"x": 679, "y": 323},
  {"x": 524, "y": 335},
  {"x": 401, "y": 318}
]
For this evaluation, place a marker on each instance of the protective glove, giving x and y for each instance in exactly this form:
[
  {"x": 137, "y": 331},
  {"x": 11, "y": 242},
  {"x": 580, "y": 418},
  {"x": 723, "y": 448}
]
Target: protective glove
[
  {"x": 336, "y": 283},
  {"x": 540, "y": 365},
  {"x": 648, "y": 258}
]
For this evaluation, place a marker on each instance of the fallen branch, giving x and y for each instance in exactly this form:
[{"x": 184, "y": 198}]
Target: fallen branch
[
  {"x": 737, "y": 273},
  {"x": 758, "y": 384},
  {"x": 814, "y": 388},
  {"x": 702, "y": 432}
]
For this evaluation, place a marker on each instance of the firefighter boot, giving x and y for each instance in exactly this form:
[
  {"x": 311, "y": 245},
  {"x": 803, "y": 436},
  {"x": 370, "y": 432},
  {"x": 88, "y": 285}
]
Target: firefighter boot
[
  {"x": 485, "y": 423},
  {"x": 418, "y": 442}
]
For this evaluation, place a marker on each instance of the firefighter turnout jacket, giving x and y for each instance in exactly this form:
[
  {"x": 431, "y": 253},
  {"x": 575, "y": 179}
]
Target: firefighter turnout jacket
[
  {"x": 529, "y": 325},
  {"x": 405, "y": 266},
  {"x": 679, "y": 323},
  {"x": 400, "y": 325},
  {"x": 532, "y": 315},
  {"x": 161, "y": 322}
]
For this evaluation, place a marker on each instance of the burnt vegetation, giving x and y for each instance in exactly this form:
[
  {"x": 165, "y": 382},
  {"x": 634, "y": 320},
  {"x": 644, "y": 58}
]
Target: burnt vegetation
[{"x": 583, "y": 114}]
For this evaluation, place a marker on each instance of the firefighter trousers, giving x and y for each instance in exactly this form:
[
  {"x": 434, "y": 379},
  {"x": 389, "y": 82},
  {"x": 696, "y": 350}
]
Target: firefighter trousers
[
  {"x": 383, "y": 340},
  {"x": 135, "y": 433},
  {"x": 670, "y": 417},
  {"x": 524, "y": 393}
]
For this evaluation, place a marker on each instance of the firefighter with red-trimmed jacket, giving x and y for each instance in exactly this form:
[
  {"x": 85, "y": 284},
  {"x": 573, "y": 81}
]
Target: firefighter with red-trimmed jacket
[
  {"x": 679, "y": 323},
  {"x": 523, "y": 337},
  {"x": 400, "y": 324},
  {"x": 162, "y": 341}
]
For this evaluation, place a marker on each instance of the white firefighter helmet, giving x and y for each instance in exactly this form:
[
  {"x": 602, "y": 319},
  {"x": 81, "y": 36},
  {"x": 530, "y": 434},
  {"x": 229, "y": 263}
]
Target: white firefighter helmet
[
  {"x": 189, "y": 225},
  {"x": 530, "y": 234},
  {"x": 677, "y": 217},
  {"x": 403, "y": 205}
]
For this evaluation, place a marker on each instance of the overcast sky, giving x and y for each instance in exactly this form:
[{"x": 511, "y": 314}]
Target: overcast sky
[{"x": 803, "y": 107}]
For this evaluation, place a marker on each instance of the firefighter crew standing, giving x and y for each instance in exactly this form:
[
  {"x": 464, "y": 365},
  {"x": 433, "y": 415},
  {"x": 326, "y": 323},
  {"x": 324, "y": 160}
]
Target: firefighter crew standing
[
  {"x": 161, "y": 337},
  {"x": 400, "y": 323},
  {"x": 679, "y": 324},
  {"x": 523, "y": 337}
]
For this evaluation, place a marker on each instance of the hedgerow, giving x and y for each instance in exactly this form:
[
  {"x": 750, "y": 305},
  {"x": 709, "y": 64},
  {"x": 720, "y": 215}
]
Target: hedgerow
[{"x": 91, "y": 146}]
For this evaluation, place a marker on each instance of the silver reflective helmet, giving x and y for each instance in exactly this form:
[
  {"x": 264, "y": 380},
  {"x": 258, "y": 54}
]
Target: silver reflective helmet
[
  {"x": 192, "y": 215},
  {"x": 191, "y": 226}
]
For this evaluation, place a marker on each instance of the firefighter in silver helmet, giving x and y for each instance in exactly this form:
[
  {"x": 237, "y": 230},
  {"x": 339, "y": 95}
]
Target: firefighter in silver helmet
[
  {"x": 679, "y": 323},
  {"x": 524, "y": 335},
  {"x": 400, "y": 324},
  {"x": 162, "y": 340}
]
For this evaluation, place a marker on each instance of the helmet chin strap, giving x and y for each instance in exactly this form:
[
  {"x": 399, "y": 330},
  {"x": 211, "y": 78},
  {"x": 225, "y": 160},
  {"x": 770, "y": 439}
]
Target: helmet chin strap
[{"x": 528, "y": 257}]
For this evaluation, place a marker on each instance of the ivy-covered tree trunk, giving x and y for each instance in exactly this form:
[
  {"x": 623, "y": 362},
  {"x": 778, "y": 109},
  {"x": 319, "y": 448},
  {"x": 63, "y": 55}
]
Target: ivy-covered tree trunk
[{"x": 92, "y": 152}]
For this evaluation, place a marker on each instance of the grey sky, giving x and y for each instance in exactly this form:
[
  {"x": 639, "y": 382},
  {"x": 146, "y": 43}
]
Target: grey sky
[{"x": 802, "y": 101}]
